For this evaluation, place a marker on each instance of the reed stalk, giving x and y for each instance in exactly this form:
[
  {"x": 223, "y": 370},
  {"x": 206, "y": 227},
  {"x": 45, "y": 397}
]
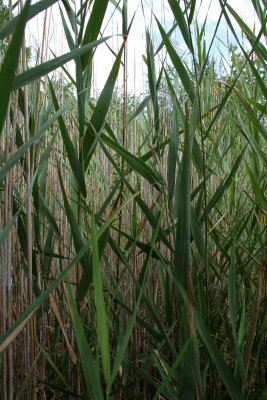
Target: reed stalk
[{"x": 133, "y": 227}]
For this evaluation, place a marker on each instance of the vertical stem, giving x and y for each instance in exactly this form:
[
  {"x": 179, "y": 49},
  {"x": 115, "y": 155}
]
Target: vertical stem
[
  {"x": 10, "y": 208},
  {"x": 30, "y": 328},
  {"x": 42, "y": 236},
  {"x": 199, "y": 96},
  {"x": 9, "y": 249},
  {"x": 7, "y": 368},
  {"x": 5, "y": 269},
  {"x": 8, "y": 266},
  {"x": 124, "y": 129}
]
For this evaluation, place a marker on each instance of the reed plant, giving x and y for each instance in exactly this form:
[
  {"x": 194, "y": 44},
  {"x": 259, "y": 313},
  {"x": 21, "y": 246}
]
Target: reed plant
[{"x": 133, "y": 232}]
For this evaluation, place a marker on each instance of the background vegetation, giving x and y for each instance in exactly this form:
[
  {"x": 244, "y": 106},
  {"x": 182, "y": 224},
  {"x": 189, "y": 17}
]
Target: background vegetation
[{"x": 133, "y": 232}]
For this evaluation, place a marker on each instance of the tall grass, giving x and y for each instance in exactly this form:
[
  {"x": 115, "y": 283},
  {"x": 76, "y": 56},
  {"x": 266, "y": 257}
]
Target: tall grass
[{"x": 133, "y": 233}]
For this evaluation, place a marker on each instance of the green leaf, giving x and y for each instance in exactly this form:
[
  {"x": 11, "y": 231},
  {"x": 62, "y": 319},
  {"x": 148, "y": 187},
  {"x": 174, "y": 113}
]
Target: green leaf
[
  {"x": 11, "y": 222},
  {"x": 68, "y": 36},
  {"x": 53, "y": 365},
  {"x": 8, "y": 69},
  {"x": 259, "y": 49},
  {"x": 246, "y": 132},
  {"x": 10, "y": 335},
  {"x": 178, "y": 64},
  {"x": 93, "y": 27},
  {"x": 121, "y": 350},
  {"x": 173, "y": 153},
  {"x": 76, "y": 234},
  {"x": 180, "y": 19},
  {"x": 152, "y": 81},
  {"x": 182, "y": 202},
  {"x": 197, "y": 234},
  {"x": 232, "y": 288},
  {"x": 71, "y": 15},
  {"x": 89, "y": 367},
  {"x": 19, "y": 324},
  {"x": 168, "y": 34},
  {"x": 232, "y": 305},
  {"x": 144, "y": 103},
  {"x": 259, "y": 195},
  {"x": 182, "y": 208},
  {"x": 48, "y": 214},
  {"x": 100, "y": 112},
  {"x": 116, "y": 5},
  {"x": 102, "y": 327},
  {"x": 73, "y": 159},
  {"x": 146, "y": 210},
  {"x": 223, "y": 187},
  {"x": 255, "y": 42},
  {"x": 33, "y": 11},
  {"x": 48, "y": 250},
  {"x": 192, "y": 11},
  {"x": 19, "y": 153},
  {"x": 136, "y": 163},
  {"x": 140, "y": 108},
  {"x": 43, "y": 69},
  {"x": 216, "y": 356},
  {"x": 180, "y": 113}
]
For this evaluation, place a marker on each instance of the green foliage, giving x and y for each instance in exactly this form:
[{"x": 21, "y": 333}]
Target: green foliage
[
  {"x": 149, "y": 215},
  {"x": 3, "y": 20}
]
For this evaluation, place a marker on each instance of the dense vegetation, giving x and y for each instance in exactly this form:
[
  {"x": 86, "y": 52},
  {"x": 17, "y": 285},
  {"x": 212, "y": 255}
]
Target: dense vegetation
[{"x": 133, "y": 232}]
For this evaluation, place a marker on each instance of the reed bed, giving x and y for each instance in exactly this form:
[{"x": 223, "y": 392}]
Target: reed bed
[{"x": 133, "y": 227}]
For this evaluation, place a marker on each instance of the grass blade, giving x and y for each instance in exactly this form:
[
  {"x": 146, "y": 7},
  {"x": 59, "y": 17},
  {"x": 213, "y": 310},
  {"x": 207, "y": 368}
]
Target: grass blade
[
  {"x": 224, "y": 186},
  {"x": 7, "y": 73},
  {"x": 33, "y": 11},
  {"x": 100, "y": 112},
  {"x": 180, "y": 19},
  {"x": 73, "y": 159},
  {"x": 93, "y": 27},
  {"x": 76, "y": 234},
  {"x": 89, "y": 367},
  {"x": 19, "y": 153},
  {"x": 178, "y": 64},
  {"x": 43, "y": 69},
  {"x": 103, "y": 332},
  {"x": 218, "y": 360},
  {"x": 126, "y": 338},
  {"x": 152, "y": 81}
]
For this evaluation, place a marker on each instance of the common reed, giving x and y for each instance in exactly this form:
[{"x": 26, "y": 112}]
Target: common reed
[{"x": 133, "y": 228}]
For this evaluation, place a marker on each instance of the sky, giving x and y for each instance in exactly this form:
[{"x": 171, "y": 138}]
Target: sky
[{"x": 143, "y": 19}]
